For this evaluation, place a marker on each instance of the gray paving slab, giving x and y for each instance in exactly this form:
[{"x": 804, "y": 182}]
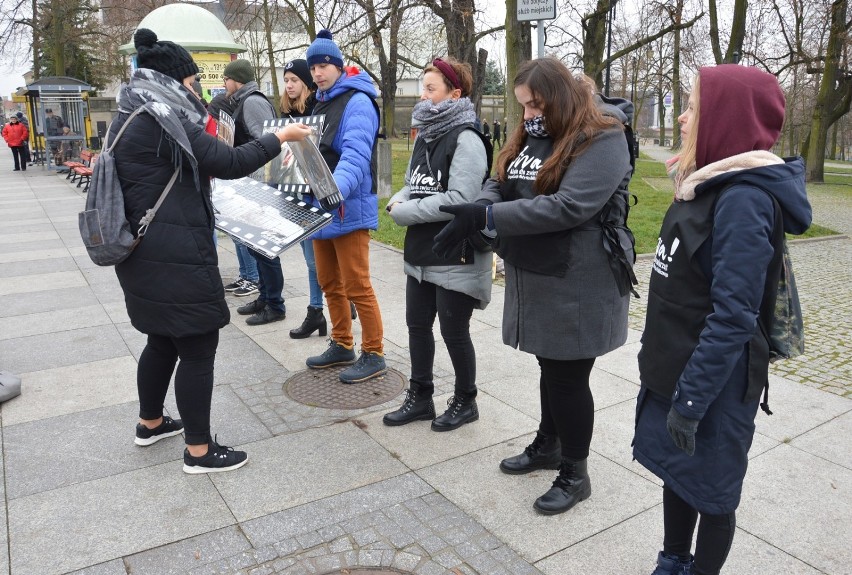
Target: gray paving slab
[
  {"x": 41, "y": 282},
  {"x": 302, "y": 465},
  {"x": 71, "y": 389},
  {"x": 797, "y": 409},
  {"x": 46, "y": 301},
  {"x": 86, "y": 445},
  {"x": 47, "y": 351},
  {"x": 800, "y": 503},
  {"x": 89, "y": 523},
  {"x": 40, "y": 322},
  {"x": 37, "y": 246},
  {"x": 179, "y": 557},
  {"x": 114, "y": 567},
  {"x": 823, "y": 441},
  {"x": 4, "y": 525},
  {"x": 417, "y": 446},
  {"x": 33, "y": 255},
  {"x": 617, "y": 494}
]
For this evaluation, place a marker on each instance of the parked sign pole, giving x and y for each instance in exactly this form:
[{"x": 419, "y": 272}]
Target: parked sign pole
[{"x": 537, "y": 11}]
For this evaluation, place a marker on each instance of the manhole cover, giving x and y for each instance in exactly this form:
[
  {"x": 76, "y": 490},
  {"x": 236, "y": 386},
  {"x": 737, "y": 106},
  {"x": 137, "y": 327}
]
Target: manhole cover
[
  {"x": 322, "y": 388},
  {"x": 369, "y": 571}
]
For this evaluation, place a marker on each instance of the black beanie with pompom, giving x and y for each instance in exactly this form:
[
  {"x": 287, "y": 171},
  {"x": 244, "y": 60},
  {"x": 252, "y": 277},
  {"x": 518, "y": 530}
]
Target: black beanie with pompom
[{"x": 163, "y": 56}]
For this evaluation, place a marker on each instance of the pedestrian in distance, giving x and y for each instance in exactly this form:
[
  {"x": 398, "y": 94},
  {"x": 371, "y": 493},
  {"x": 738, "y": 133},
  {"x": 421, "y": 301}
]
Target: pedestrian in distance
[
  {"x": 486, "y": 130},
  {"x": 297, "y": 101},
  {"x": 448, "y": 165},
  {"x": 496, "y": 134},
  {"x": 704, "y": 360},
  {"x": 16, "y": 134},
  {"x": 561, "y": 178},
  {"x": 171, "y": 282},
  {"x": 342, "y": 249},
  {"x": 251, "y": 110}
]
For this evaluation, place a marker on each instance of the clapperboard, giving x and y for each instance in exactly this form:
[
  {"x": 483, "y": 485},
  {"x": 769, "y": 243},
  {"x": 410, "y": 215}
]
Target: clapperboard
[{"x": 266, "y": 211}]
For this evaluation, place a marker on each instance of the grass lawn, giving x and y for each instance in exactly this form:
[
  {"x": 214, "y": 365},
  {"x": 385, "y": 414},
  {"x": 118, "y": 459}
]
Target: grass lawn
[{"x": 650, "y": 185}]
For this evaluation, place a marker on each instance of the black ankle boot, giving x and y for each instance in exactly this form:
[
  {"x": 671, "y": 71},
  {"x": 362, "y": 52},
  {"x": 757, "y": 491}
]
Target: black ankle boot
[
  {"x": 314, "y": 321},
  {"x": 543, "y": 453},
  {"x": 417, "y": 406},
  {"x": 460, "y": 410},
  {"x": 572, "y": 485}
]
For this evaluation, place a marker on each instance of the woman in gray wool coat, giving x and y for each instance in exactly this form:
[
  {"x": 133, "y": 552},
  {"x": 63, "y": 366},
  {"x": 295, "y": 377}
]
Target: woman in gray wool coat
[
  {"x": 447, "y": 166},
  {"x": 560, "y": 191}
]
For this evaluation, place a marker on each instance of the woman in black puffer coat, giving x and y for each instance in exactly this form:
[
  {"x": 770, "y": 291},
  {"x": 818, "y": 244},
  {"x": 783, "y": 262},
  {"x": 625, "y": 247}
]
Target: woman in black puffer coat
[{"x": 171, "y": 282}]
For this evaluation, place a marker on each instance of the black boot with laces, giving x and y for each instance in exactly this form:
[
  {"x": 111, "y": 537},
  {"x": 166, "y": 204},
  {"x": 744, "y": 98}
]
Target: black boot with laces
[
  {"x": 460, "y": 410},
  {"x": 418, "y": 406},
  {"x": 572, "y": 486},
  {"x": 543, "y": 453}
]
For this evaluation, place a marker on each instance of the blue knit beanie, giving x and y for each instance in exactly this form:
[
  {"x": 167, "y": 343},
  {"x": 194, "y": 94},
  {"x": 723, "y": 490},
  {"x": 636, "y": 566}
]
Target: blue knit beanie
[{"x": 323, "y": 50}]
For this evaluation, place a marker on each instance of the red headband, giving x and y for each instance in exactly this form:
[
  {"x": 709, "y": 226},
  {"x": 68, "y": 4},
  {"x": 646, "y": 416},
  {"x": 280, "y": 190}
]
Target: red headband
[{"x": 448, "y": 72}]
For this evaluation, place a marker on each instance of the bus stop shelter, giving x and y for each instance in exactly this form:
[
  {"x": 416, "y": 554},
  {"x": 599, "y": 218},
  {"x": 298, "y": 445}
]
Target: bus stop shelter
[{"x": 59, "y": 119}]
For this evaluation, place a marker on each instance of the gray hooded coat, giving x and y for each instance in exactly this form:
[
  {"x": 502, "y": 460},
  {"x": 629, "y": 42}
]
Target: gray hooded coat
[{"x": 582, "y": 314}]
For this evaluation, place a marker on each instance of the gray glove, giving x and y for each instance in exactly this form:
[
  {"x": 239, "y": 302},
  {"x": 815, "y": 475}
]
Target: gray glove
[{"x": 682, "y": 429}]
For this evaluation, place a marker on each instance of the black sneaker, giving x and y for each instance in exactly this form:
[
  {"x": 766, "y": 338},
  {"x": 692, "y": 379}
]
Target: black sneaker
[
  {"x": 266, "y": 315},
  {"x": 169, "y": 428},
  {"x": 248, "y": 287},
  {"x": 368, "y": 366},
  {"x": 218, "y": 458},
  {"x": 336, "y": 354},
  {"x": 251, "y": 308},
  {"x": 234, "y": 285}
]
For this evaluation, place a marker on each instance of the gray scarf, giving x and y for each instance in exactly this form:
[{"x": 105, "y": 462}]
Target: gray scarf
[
  {"x": 170, "y": 104},
  {"x": 433, "y": 120}
]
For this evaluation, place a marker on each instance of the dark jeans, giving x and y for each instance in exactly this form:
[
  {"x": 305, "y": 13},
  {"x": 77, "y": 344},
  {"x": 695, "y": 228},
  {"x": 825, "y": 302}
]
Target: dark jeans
[
  {"x": 270, "y": 281},
  {"x": 567, "y": 405},
  {"x": 193, "y": 380},
  {"x": 423, "y": 301},
  {"x": 715, "y": 534},
  {"x": 19, "y": 153}
]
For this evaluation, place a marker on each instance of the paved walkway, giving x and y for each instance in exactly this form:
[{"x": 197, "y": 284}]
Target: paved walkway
[{"x": 328, "y": 490}]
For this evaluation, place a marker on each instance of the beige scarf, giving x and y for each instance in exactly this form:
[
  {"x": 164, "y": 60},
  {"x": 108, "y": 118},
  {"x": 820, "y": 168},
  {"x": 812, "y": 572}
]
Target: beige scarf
[{"x": 685, "y": 190}]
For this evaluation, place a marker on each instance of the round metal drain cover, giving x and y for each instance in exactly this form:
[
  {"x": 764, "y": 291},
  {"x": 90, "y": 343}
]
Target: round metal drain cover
[
  {"x": 369, "y": 571},
  {"x": 322, "y": 388}
]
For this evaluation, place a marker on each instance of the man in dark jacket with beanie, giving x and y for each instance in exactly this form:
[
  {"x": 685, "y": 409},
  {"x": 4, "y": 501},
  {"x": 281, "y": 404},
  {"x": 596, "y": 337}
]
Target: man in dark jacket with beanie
[{"x": 251, "y": 109}]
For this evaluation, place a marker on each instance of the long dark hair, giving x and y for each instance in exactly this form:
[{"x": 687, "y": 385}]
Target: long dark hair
[{"x": 571, "y": 117}]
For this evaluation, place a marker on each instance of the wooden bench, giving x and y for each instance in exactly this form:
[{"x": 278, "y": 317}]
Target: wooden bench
[
  {"x": 85, "y": 162},
  {"x": 84, "y": 173}
]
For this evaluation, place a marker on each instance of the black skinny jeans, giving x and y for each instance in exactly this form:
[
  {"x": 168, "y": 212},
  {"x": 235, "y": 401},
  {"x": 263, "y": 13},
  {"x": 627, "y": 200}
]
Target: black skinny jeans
[
  {"x": 567, "y": 405},
  {"x": 193, "y": 380},
  {"x": 715, "y": 534},
  {"x": 423, "y": 301}
]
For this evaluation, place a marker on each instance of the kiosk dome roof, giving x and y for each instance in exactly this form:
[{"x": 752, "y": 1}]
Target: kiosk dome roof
[{"x": 205, "y": 34}]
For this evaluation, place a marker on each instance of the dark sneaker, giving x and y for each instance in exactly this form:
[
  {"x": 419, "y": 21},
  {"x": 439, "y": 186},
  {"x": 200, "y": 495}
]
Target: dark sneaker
[
  {"x": 460, "y": 410},
  {"x": 169, "y": 428},
  {"x": 368, "y": 366},
  {"x": 266, "y": 315},
  {"x": 252, "y": 308},
  {"x": 336, "y": 354},
  {"x": 248, "y": 287},
  {"x": 218, "y": 458},
  {"x": 234, "y": 285},
  {"x": 668, "y": 564}
]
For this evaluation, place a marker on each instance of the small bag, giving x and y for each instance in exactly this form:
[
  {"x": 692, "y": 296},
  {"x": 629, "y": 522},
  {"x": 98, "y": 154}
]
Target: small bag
[
  {"x": 786, "y": 336},
  {"x": 103, "y": 225}
]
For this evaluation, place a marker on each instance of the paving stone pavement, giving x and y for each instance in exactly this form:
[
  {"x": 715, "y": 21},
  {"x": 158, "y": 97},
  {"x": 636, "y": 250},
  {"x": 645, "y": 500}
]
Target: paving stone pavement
[{"x": 330, "y": 491}]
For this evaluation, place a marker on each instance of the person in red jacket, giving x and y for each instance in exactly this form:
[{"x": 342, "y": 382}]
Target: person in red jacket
[{"x": 16, "y": 134}]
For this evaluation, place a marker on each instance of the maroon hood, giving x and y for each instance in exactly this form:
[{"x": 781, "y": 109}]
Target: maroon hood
[{"x": 742, "y": 109}]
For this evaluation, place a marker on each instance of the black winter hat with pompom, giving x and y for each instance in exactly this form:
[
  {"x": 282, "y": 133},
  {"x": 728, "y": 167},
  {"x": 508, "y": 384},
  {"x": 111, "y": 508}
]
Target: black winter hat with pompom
[{"x": 163, "y": 56}]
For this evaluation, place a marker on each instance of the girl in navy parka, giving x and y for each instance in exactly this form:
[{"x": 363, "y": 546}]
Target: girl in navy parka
[{"x": 704, "y": 361}]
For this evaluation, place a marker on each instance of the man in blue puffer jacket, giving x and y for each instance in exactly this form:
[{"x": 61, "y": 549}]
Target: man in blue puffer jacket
[{"x": 342, "y": 249}]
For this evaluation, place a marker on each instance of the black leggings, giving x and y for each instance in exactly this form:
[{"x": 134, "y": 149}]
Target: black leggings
[
  {"x": 567, "y": 405},
  {"x": 423, "y": 301},
  {"x": 193, "y": 380},
  {"x": 715, "y": 534}
]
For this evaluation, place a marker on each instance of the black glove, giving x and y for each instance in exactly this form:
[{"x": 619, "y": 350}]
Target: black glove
[
  {"x": 468, "y": 218},
  {"x": 682, "y": 429}
]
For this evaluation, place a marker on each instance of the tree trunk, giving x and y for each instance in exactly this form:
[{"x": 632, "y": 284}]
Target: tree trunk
[
  {"x": 594, "y": 41},
  {"x": 270, "y": 52},
  {"x": 738, "y": 31},
  {"x": 676, "y": 88},
  {"x": 518, "y": 49},
  {"x": 834, "y": 97},
  {"x": 661, "y": 114},
  {"x": 714, "y": 33},
  {"x": 36, "y": 42}
]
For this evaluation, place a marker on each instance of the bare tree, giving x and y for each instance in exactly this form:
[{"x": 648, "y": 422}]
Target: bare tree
[{"x": 738, "y": 31}]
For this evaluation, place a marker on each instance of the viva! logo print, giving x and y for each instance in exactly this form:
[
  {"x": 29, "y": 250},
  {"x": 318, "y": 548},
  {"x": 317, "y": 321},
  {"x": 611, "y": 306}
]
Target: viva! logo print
[{"x": 662, "y": 258}]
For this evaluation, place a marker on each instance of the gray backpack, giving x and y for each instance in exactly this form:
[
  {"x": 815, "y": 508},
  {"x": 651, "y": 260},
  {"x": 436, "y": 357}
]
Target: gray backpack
[{"x": 103, "y": 225}]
